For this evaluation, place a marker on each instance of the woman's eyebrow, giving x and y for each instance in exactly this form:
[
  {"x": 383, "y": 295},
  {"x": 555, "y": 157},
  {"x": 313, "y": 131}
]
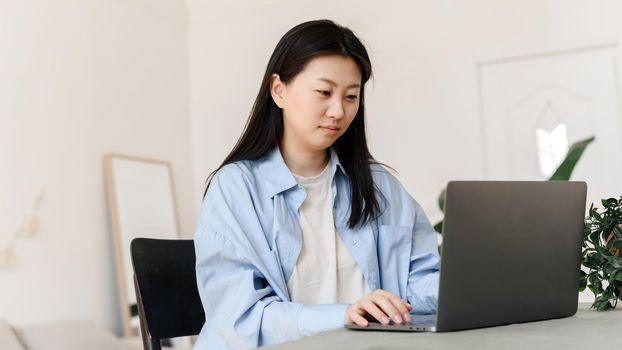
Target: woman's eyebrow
[{"x": 335, "y": 84}]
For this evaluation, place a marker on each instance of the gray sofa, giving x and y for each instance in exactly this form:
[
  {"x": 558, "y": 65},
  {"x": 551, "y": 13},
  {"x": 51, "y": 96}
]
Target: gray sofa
[{"x": 63, "y": 335}]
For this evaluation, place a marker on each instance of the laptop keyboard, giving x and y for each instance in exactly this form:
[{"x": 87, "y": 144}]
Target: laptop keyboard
[{"x": 419, "y": 320}]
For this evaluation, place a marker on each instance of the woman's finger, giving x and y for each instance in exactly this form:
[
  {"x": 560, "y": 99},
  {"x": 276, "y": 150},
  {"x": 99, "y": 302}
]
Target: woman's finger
[
  {"x": 371, "y": 308},
  {"x": 403, "y": 308},
  {"x": 388, "y": 307},
  {"x": 358, "y": 319}
]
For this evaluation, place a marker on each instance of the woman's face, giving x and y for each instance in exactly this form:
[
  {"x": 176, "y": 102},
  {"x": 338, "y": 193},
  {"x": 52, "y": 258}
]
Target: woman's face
[{"x": 319, "y": 103}]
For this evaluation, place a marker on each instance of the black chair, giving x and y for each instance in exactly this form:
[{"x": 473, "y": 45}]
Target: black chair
[{"x": 166, "y": 290}]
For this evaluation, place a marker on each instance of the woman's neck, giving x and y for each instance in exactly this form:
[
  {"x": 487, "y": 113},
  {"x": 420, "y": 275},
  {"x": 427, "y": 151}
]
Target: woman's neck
[{"x": 304, "y": 163}]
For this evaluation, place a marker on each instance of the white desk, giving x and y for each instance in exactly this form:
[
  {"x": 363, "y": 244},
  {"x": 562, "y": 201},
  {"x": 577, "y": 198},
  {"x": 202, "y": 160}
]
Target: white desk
[{"x": 587, "y": 330}]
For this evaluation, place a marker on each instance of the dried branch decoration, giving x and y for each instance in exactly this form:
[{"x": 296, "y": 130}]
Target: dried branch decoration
[{"x": 27, "y": 230}]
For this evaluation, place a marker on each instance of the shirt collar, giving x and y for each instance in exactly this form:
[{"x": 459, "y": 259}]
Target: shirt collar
[{"x": 279, "y": 178}]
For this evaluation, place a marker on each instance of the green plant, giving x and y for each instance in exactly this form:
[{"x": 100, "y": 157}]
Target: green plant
[
  {"x": 563, "y": 172},
  {"x": 602, "y": 244}
]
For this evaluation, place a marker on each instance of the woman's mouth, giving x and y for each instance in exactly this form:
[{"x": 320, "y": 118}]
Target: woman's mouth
[{"x": 330, "y": 130}]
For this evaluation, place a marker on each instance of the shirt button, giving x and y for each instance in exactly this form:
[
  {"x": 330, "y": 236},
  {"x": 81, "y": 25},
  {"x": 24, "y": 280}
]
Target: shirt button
[{"x": 353, "y": 242}]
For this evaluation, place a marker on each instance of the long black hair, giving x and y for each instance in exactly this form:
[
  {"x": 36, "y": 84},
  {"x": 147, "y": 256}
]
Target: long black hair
[{"x": 264, "y": 127}]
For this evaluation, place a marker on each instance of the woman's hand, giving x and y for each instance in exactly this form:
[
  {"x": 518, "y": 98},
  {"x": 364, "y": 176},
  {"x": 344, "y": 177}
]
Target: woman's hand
[{"x": 380, "y": 305}]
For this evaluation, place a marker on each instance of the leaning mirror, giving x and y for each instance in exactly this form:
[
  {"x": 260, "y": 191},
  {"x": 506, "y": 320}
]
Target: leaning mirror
[{"x": 141, "y": 202}]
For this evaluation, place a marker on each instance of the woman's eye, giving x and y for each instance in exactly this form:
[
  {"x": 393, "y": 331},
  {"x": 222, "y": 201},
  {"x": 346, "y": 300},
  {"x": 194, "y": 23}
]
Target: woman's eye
[
  {"x": 327, "y": 94},
  {"x": 324, "y": 92}
]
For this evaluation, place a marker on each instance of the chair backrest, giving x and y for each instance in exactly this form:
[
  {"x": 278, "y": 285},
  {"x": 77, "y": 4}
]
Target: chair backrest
[{"x": 166, "y": 290}]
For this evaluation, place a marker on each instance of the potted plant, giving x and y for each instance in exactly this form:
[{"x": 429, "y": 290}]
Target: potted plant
[{"x": 602, "y": 245}]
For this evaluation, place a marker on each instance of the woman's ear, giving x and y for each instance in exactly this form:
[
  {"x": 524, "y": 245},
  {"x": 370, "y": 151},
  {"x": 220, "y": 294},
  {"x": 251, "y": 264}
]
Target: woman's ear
[{"x": 277, "y": 88}]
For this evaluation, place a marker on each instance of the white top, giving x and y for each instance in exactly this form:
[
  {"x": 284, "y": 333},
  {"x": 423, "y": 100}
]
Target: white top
[{"x": 325, "y": 272}]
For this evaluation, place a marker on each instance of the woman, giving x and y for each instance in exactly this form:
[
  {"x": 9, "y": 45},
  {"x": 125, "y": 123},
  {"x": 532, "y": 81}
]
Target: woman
[{"x": 301, "y": 230}]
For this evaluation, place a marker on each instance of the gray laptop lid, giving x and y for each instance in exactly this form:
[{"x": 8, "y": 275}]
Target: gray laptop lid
[{"x": 511, "y": 252}]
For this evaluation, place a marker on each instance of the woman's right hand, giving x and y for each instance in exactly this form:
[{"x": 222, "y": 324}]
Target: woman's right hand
[{"x": 380, "y": 305}]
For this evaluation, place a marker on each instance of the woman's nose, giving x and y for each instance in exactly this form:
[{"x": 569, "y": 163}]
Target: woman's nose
[{"x": 336, "y": 110}]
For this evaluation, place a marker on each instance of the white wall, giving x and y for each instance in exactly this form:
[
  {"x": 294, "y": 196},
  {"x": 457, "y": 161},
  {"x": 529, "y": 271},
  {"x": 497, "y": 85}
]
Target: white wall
[
  {"x": 424, "y": 98},
  {"x": 79, "y": 79}
]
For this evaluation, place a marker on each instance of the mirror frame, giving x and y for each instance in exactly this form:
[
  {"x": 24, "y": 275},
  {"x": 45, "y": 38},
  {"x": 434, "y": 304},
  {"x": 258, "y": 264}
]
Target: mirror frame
[{"x": 116, "y": 231}]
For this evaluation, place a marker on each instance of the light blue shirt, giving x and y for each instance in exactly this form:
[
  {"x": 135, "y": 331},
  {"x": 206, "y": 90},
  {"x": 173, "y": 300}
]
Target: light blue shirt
[{"x": 248, "y": 240}]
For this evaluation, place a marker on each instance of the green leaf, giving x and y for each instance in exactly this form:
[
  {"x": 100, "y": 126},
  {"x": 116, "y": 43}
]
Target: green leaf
[
  {"x": 439, "y": 227},
  {"x": 596, "y": 288},
  {"x": 616, "y": 276},
  {"x": 593, "y": 288},
  {"x": 598, "y": 258},
  {"x": 617, "y": 231},
  {"x": 600, "y": 288},
  {"x": 615, "y": 243},
  {"x": 603, "y": 251},
  {"x": 609, "y": 270},
  {"x": 575, "y": 152},
  {"x": 615, "y": 262},
  {"x": 602, "y": 306},
  {"x": 590, "y": 264},
  {"x": 441, "y": 200},
  {"x": 587, "y": 229},
  {"x": 594, "y": 237},
  {"x": 593, "y": 261},
  {"x": 594, "y": 277},
  {"x": 582, "y": 280},
  {"x": 608, "y": 295}
]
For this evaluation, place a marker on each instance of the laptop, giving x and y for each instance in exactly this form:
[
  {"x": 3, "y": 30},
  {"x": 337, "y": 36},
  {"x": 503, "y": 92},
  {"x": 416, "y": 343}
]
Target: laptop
[{"x": 511, "y": 253}]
